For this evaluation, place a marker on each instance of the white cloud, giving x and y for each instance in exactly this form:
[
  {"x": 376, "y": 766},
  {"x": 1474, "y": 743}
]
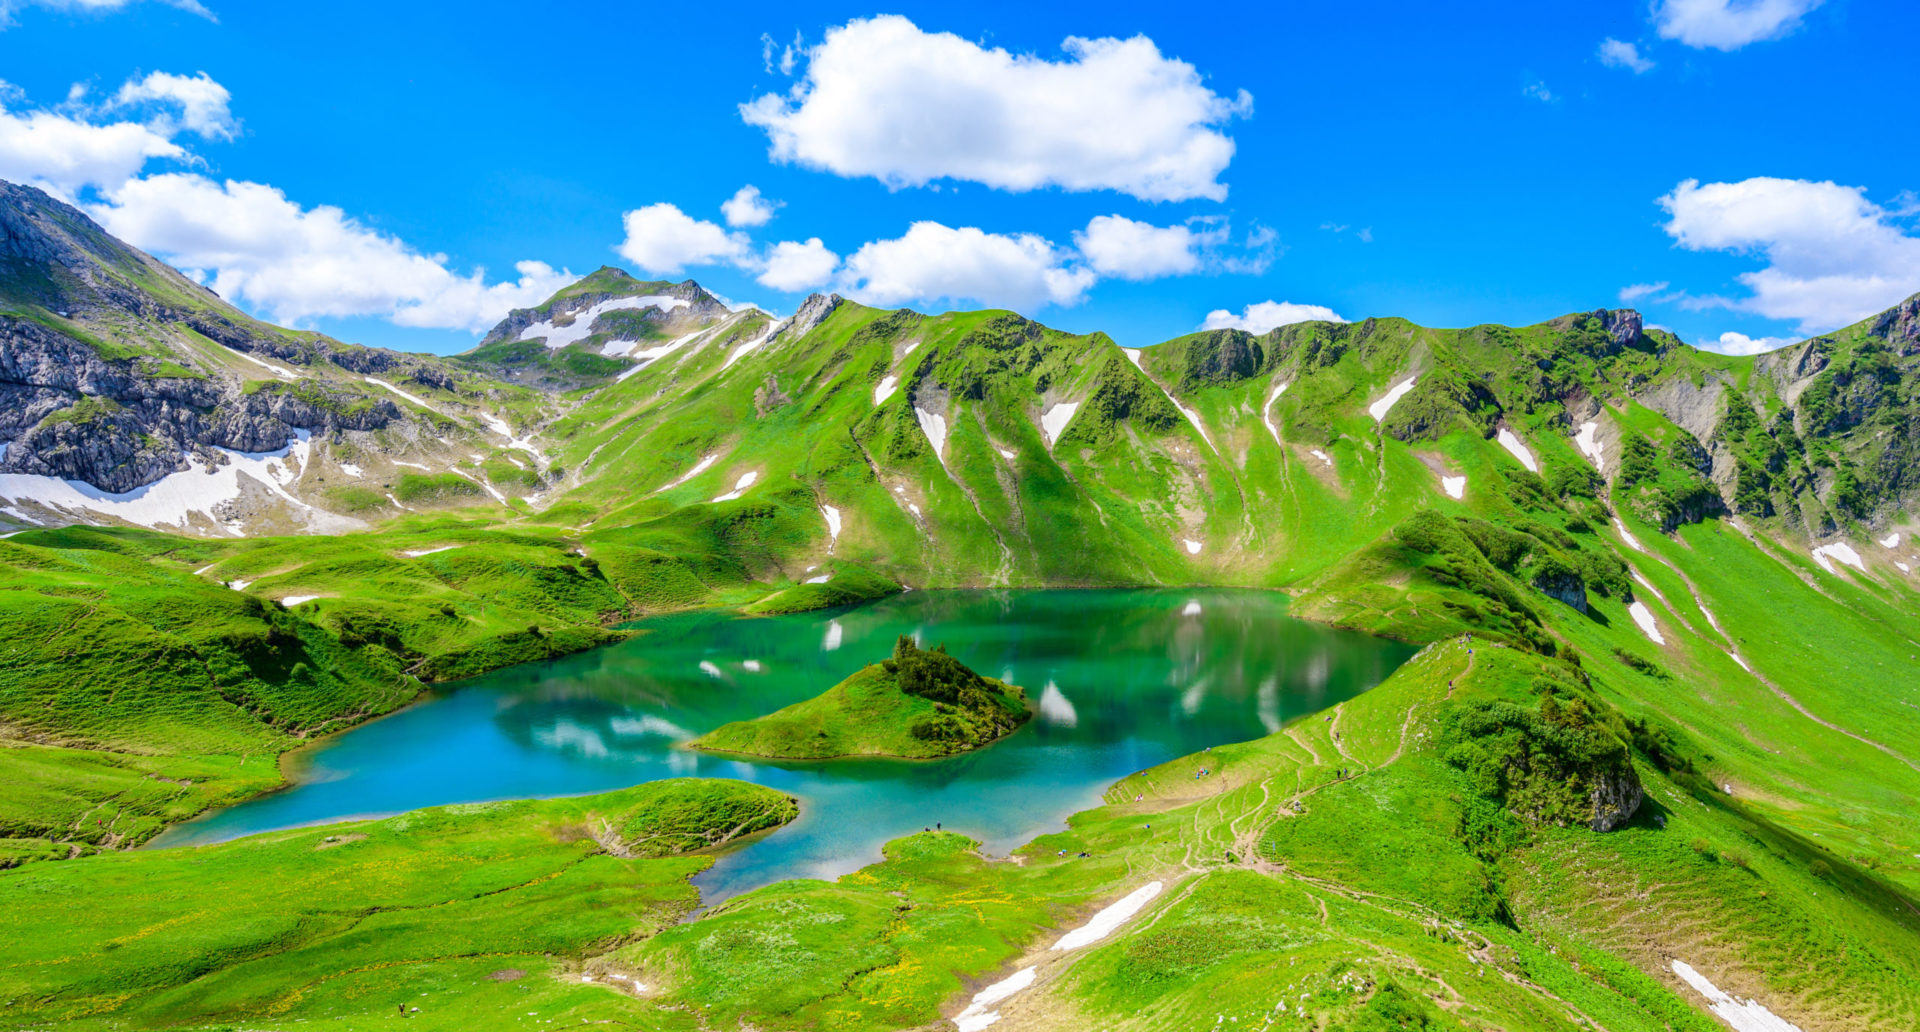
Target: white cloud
[
  {"x": 1265, "y": 315},
  {"x": 1833, "y": 257},
  {"x": 246, "y": 240},
  {"x": 249, "y": 242},
  {"x": 1728, "y": 24},
  {"x": 1117, "y": 246},
  {"x": 934, "y": 262},
  {"x": 8, "y": 8},
  {"x": 747, "y": 208},
  {"x": 1731, "y": 343},
  {"x": 663, "y": 239},
  {"x": 789, "y": 54},
  {"x": 792, "y": 266},
  {"x": 202, "y": 103},
  {"x": 882, "y": 98},
  {"x": 65, "y": 156},
  {"x": 1538, "y": 91},
  {"x": 1616, "y": 53},
  {"x": 1635, "y": 291}
]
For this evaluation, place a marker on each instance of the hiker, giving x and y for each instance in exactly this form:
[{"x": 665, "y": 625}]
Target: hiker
[{"x": 936, "y": 825}]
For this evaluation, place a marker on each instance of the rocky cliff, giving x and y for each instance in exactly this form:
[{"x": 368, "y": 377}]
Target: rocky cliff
[{"x": 115, "y": 370}]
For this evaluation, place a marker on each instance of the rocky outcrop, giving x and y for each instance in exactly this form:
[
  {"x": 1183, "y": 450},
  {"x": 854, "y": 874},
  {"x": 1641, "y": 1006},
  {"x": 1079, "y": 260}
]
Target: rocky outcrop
[
  {"x": 1622, "y": 325},
  {"x": 109, "y": 449},
  {"x": 1616, "y": 797},
  {"x": 1564, "y": 586},
  {"x": 810, "y": 314},
  {"x": 104, "y": 377},
  {"x": 1900, "y": 326}
]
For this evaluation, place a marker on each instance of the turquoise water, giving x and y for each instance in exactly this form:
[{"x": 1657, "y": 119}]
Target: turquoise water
[{"x": 1123, "y": 679}]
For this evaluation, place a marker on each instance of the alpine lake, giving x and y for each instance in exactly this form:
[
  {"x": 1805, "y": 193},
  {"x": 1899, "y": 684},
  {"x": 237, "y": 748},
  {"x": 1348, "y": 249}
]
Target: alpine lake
[{"x": 1121, "y": 680}]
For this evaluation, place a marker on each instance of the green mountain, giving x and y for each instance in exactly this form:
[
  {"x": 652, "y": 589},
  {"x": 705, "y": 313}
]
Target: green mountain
[{"x": 1678, "y": 749}]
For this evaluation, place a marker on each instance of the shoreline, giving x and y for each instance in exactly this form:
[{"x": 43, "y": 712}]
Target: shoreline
[{"x": 290, "y": 764}]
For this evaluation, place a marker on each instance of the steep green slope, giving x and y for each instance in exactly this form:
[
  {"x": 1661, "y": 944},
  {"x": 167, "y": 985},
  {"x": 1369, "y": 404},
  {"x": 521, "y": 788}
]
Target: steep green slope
[{"x": 917, "y": 705}]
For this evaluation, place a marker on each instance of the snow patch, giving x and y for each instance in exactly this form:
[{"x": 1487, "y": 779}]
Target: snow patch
[
  {"x": 979, "y": 1013},
  {"x": 1055, "y": 420},
  {"x": 698, "y": 468},
  {"x": 582, "y": 325},
  {"x": 1627, "y": 535},
  {"x": 352, "y": 470},
  {"x": 832, "y": 516},
  {"x": 1192, "y": 417},
  {"x": 1323, "y": 456},
  {"x": 281, "y": 371},
  {"x": 1742, "y": 662},
  {"x": 885, "y": 390},
  {"x": 1379, "y": 409},
  {"x": 1514, "y": 444},
  {"x": 1904, "y": 568},
  {"x": 739, "y": 486},
  {"x": 484, "y": 486},
  {"x": 822, "y": 579},
  {"x": 1891, "y": 540},
  {"x": 1107, "y": 921},
  {"x": 1456, "y": 487},
  {"x": 418, "y": 552},
  {"x": 238, "y": 585},
  {"x": 1644, "y": 617},
  {"x": 294, "y": 600},
  {"x": 1266, "y": 411},
  {"x": 1749, "y": 1016},
  {"x": 499, "y": 426},
  {"x": 743, "y": 350},
  {"x": 1005, "y": 454},
  {"x": 1589, "y": 444},
  {"x": 1825, "y": 554},
  {"x": 1057, "y": 708},
  {"x": 645, "y": 355},
  {"x": 174, "y": 498},
  {"x": 935, "y": 427},
  {"x": 377, "y": 382},
  {"x": 1193, "y": 547},
  {"x": 1133, "y": 355}
]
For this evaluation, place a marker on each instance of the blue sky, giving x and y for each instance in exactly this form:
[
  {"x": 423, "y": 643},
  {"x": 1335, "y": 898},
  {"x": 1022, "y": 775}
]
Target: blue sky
[{"x": 1743, "y": 168}]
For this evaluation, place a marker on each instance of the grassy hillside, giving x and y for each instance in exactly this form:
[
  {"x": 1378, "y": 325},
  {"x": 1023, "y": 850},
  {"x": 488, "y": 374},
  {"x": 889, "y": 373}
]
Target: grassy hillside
[
  {"x": 355, "y": 922},
  {"x": 916, "y": 705},
  {"x": 1626, "y": 526}
]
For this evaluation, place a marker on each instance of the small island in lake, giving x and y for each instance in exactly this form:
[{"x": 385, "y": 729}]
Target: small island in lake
[{"x": 920, "y": 704}]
